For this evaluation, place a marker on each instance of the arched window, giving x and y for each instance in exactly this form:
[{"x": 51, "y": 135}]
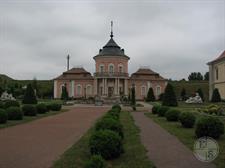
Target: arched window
[
  {"x": 158, "y": 90},
  {"x": 217, "y": 73},
  {"x": 111, "y": 68},
  {"x": 89, "y": 90},
  {"x": 120, "y": 68},
  {"x": 101, "y": 68},
  {"x": 143, "y": 90},
  {"x": 79, "y": 90}
]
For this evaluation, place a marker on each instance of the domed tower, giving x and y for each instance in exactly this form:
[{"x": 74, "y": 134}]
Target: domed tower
[{"x": 111, "y": 70}]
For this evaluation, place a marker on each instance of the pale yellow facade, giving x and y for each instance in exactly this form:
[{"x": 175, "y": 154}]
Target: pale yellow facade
[{"x": 217, "y": 76}]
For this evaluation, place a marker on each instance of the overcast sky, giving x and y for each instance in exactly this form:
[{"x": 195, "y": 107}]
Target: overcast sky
[{"x": 172, "y": 37}]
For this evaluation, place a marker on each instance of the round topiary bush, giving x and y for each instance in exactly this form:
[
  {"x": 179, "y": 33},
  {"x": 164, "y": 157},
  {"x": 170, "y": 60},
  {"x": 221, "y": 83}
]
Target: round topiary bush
[
  {"x": 155, "y": 109},
  {"x": 187, "y": 119},
  {"x": 172, "y": 115},
  {"x": 14, "y": 113},
  {"x": 41, "y": 108},
  {"x": 56, "y": 107},
  {"x": 114, "y": 114},
  {"x": 3, "y": 116},
  {"x": 11, "y": 103},
  {"x": 29, "y": 110},
  {"x": 96, "y": 161},
  {"x": 110, "y": 124},
  {"x": 162, "y": 111},
  {"x": 117, "y": 106},
  {"x": 209, "y": 126},
  {"x": 106, "y": 143}
]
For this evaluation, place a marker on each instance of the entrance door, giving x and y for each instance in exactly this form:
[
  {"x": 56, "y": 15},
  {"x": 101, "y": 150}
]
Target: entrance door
[{"x": 110, "y": 91}]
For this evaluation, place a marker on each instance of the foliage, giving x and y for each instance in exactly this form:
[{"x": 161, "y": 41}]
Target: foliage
[
  {"x": 110, "y": 124},
  {"x": 161, "y": 97},
  {"x": 206, "y": 76},
  {"x": 155, "y": 109},
  {"x": 14, "y": 113},
  {"x": 187, "y": 119},
  {"x": 150, "y": 95},
  {"x": 212, "y": 109},
  {"x": 56, "y": 106},
  {"x": 169, "y": 98},
  {"x": 116, "y": 107},
  {"x": 96, "y": 161},
  {"x": 209, "y": 126},
  {"x": 106, "y": 143},
  {"x": 183, "y": 94},
  {"x": 162, "y": 111},
  {"x": 216, "y": 96},
  {"x": 199, "y": 91},
  {"x": 3, "y": 116},
  {"x": 133, "y": 97},
  {"x": 64, "y": 95},
  {"x": 11, "y": 103},
  {"x": 172, "y": 115},
  {"x": 29, "y": 96},
  {"x": 29, "y": 110},
  {"x": 195, "y": 76},
  {"x": 41, "y": 108}
]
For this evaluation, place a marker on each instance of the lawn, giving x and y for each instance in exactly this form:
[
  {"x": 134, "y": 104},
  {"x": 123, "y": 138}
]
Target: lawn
[
  {"x": 30, "y": 118},
  {"x": 187, "y": 135},
  {"x": 134, "y": 155}
]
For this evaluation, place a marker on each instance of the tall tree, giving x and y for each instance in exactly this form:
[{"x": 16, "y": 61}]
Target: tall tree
[
  {"x": 64, "y": 95},
  {"x": 169, "y": 98},
  {"x": 150, "y": 95},
  {"x": 133, "y": 98},
  {"x": 35, "y": 86},
  {"x": 195, "y": 76},
  {"x": 29, "y": 96},
  {"x": 183, "y": 94},
  {"x": 200, "y": 92},
  {"x": 216, "y": 96},
  {"x": 206, "y": 76}
]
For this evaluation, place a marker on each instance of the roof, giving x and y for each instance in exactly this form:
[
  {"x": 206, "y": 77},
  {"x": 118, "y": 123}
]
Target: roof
[
  {"x": 146, "y": 73},
  {"x": 222, "y": 56},
  {"x": 75, "y": 73},
  {"x": 111, "y": 49}
]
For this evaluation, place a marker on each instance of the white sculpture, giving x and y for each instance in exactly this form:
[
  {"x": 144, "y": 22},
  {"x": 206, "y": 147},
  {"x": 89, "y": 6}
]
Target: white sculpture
[
  {"x": 6, "y": 96},
  {"x": 196, "y": 99}
]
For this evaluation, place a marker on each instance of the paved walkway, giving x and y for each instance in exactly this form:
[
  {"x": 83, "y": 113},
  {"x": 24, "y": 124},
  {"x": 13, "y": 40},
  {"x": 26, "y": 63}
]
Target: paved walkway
[
  {"x": 37, "y": 144},
  {"x": 164, "y": 149}
]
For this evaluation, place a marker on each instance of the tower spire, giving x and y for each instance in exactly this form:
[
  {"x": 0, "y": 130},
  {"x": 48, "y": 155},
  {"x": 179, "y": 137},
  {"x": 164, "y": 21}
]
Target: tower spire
[
  {"x": 111, "y": 29},
  {"x": 68, "y": 62}
]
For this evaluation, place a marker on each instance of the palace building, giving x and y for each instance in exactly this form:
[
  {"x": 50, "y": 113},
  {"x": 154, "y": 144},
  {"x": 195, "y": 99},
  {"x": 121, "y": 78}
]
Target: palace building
[{"x": 111, "y": 78}]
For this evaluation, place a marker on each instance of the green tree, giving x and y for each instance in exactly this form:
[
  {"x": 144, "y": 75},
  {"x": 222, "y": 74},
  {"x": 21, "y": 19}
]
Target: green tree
[
  {"x": 133, "y": 98},
  {"x": 64, "y": 95},
  {"x": 183, "y": 94},
  {"x": 200, "y": 92},
  {"x": 150, "y": 95},
  {"x": 206, "y": 76},
  {"x": 29, "y": 96},
  {"x": 195, "y": 76},
  {"x": 35, "y": 86},
  {"x": 169, "y": 98},
  {"x": 216, "y": 96}
]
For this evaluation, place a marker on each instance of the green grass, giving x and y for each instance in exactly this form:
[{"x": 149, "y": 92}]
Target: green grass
[
  {"x": 134, "y": 155},
  {"x": 30, "y": 118},
  {"x": 187, "y": 135}
]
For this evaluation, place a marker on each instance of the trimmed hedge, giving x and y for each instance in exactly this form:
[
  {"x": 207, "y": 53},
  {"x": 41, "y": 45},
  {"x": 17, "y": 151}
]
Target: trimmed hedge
[
  {"x": 209, "y": 126},
  {"x": 106, "y": 143},
  {"x": 187, "y": 119},
  {"x": 162, "y": 110},
  {"x": 155, "y": 109},
  {"x": 110, "y": 124},
  {"x": 96, "y": 161},
  {"x": 3, "y": 116},
  {"x": 14, "y": 113},
  {"x": 41, "y": 108},
  {"x": 56, "y": 107},
  {"x": 29, "y": 110},
  {"x": 172, "y": 115},
  {"x": 117, "y": 106},
  {"x": 11, "y": 103}
]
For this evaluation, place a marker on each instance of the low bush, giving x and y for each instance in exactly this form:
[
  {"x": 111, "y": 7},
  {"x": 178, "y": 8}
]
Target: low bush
[
  {"x": 14, "y": 113},
  {"x": 117, "y": 106},
  {"x": 106, "y": 143},
  {"x": 209, "y": 126},
  {"x": 162, "y": 110},
  {"x": 96, "y": 161},
  {"x": 110, "y": 124},
  {"x": 11, "y": 103},
  {"x": 29, "y": 110},
  {"x": 155, "y": 109},
  {"x": 1, "y": 105},
  {"x": 41, "y": 108},
  {"x": 56, "y": 107},
  {"x": 187, "y": 119},
  {"x": 114, "y": 114},
  {"x": 172, "y": 115},
  {"x": 3, "y": 116},
  {"x": 48, "y": 106}
]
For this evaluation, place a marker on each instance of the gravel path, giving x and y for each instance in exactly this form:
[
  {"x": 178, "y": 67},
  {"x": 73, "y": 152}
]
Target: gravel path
[
  {"x": 37, "y": 144},
  {"x": 164, "y": 149}
]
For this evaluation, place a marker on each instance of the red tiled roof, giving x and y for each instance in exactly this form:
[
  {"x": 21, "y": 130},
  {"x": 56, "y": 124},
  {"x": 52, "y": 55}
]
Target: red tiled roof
[
  {"x": 146, "y": 73},
  {"x": 222, "y": 56}
]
